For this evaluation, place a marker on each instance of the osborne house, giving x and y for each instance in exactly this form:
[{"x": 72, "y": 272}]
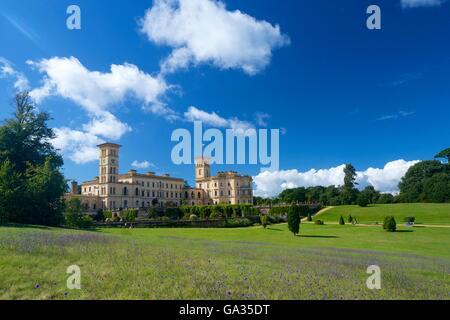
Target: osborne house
[{"x": 112, "y": 190}]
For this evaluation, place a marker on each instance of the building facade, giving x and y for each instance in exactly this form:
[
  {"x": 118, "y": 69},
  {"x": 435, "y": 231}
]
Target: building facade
[
  {"x": 112, "y": 190},
  {"x": 225, "y": 187}
]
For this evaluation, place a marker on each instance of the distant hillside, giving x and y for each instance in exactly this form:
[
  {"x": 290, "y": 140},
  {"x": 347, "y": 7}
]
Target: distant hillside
[{"x": 425, "y": 213}]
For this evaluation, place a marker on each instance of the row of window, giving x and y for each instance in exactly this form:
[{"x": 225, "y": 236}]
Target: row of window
[{"x": 160, "y": 185}]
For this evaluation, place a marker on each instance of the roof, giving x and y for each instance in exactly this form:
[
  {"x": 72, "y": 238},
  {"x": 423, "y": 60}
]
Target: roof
[{"x": 109, "y": 144}]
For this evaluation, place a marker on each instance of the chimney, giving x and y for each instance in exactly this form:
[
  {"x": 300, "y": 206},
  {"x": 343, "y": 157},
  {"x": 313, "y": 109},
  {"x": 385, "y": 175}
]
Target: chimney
[{"x": 74, "y": 187}]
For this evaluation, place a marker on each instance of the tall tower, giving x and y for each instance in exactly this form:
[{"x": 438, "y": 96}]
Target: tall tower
[
  {"x": 109, "y": 164},
  {"x": 202, "y": 168}
]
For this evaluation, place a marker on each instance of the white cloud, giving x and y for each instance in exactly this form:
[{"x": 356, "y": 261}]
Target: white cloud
[
  {"x": 421, "y": 3},
  {"x": 142, "y": 165},
  {"x": 261, "y": 118},
  {"x": 204, "y": 31},
  {"x": 213, "y": 119},
  {"x": 269, "y": 184},
  {"x": 400, "y": 114},
  {"x": 7, "y": 71},
  {"x": 78, "y": 146},
  {"x": 96, "y": 91},
  {"x": 107, "y": 126},
  {"x": 386, "y": 179}
]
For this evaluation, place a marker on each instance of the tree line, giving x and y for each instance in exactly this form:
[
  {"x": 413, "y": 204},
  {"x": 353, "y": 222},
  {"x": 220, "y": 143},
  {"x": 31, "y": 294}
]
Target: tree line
[{"x": 426, "y": 181}]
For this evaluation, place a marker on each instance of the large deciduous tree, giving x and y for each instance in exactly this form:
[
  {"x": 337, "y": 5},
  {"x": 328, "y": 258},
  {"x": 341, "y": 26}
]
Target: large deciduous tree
[
  {"x": 444, "y": 154},
  {"x": 31, "y": 183}
]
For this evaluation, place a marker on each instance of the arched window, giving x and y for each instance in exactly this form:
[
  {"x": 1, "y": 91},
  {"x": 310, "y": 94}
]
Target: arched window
[
  {"x": 199, "y": 195},
  {"x": 125, "y": 191}
]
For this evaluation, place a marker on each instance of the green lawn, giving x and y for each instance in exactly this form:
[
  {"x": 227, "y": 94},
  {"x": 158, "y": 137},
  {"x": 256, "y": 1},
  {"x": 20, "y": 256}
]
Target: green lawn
[
  {"x": 425, "y": 213},
  {"x": 326, "y": 262}
]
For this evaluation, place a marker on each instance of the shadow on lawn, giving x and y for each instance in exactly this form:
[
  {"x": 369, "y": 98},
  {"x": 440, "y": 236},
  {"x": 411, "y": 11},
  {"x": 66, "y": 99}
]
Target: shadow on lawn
[
  {"x": 24, "y": 226},
  {"x": 324, "y": 237},
  {"x": 274, "y": 229}
]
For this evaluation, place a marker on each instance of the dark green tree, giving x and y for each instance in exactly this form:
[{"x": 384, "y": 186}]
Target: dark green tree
[
  {"x": 444, "y": 154},
  {"x": 33, "y": 165},
  {"x": 390, "y": 224},
  {"x": 412, "y": 185},
  {"x": 73, "y": 212},
  {"x": 294, "y": 219},
  {"x": 341, "y": 221},
  {"x": 349, "y": 192},
  {"x": 362, "y": 200}
]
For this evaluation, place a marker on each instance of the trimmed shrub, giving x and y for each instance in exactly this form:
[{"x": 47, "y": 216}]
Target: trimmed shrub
[
  {"x": 107, "y": 214},
  {"x": 173, "y": 213},
  {"x": 390, "y": 224},
  {"x": 309, "y": 218},
  {"x": 319, "y": 222},
  {"x": 341, "y": 221},
  {"x": 99, "y": 216},
  {"x": 350, "y": 219},
  {"x": 294, "y": 220},
  {"x": 129, "y": 215},
  {"x": 264, "y": 220},
  {"x": 410, "y": 219},
  {"x": 238, "y": 223},
  {"x": 85, "y": 222}
]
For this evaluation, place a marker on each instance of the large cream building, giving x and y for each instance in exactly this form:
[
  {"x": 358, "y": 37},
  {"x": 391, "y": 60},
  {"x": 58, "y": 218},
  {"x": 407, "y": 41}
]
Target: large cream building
[
  {"x": 112, "y": 190},
  {"x": 225, "y": 187}
]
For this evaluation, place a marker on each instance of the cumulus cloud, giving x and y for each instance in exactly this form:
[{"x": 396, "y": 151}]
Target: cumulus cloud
[
  {"x": 142, "y": 164},
  {"x": 421, "y": 3},
  {"x": 204, "y": 31},
  {"x": 78, "y": 146},
  {"x": 7, "y": 71},
  {"x": 213, "y": 119},
  {"x": 270, "y": 184},
  {"x": 97, "y": 93}
]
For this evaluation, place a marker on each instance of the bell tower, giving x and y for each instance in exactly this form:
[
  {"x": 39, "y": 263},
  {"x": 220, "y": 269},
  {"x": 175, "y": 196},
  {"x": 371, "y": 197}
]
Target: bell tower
[
  {"x": 109, "y": 164},
  {"x": 202, "y": 168}
]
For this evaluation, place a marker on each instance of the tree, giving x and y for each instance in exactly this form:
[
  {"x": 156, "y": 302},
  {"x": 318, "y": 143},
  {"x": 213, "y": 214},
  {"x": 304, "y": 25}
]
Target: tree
[
  {"x": 350, "y": 176},
  {"x": 10, "y": 191},
  {"x": 348, "y": 191},
  {"x": 33, "y": 167},
  {"x": 74, "y": 212},
  {"x": 264, "y": 220},
  {"x": 420, "y": 183},
  {"x": 390, "y": 224},
  {"x": 444, "y": 154},
  {"x": 350, "y": 219},
  {"x": 370, "y": 194},
  {"x": 341, "y": 221},
  {"x": 385, "y": 198},
  {"x": 294, "y": 219},
  {"x": 362, "y": 200}
]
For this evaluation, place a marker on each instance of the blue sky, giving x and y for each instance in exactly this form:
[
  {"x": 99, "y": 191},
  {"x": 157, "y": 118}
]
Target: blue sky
[{"x": 341, "y": 93}]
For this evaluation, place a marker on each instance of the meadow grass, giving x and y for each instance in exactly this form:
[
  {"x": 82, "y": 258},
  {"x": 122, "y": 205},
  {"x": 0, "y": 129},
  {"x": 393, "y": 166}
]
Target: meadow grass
[
  {"x": 326, "y": 262},
  {"x": 425, "y": 213}
]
